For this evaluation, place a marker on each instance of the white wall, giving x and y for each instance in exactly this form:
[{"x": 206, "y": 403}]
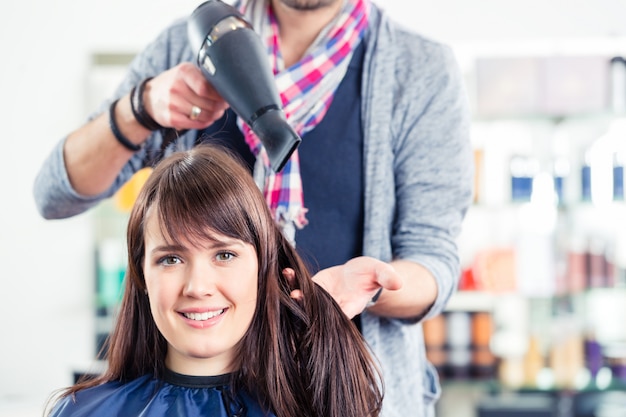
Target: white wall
[
  {"x": 506, "y": 20},
  {"x": 46, "y": 277}
]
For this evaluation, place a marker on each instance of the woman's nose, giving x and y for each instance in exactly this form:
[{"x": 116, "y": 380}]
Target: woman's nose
[{"x": 200, "y": 281}]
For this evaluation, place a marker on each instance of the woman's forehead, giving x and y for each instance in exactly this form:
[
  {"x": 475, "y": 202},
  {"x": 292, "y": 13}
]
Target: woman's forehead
[{"x": 158, "y": 228}]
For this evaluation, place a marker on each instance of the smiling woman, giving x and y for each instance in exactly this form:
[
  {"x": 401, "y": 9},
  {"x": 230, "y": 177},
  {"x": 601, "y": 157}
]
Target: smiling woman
[
  {"x": 210, "y": 324},
  {"x": 202, "y": 297}
]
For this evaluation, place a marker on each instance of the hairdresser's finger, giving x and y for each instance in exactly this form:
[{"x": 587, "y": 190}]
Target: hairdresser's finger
[
  {"x": 296, "y": 295},
  {"x": 204, "y": 94},
  {"x": 374, "y": 273},
  {"x": 290, "y": 276},
  {"x": 388, "y": 277},
  {"x": 170, "y": 97}
]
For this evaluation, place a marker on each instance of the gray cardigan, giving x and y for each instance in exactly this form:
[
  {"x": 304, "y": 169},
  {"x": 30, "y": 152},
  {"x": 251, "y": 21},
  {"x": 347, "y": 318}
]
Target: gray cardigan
[{"x": 418, "y": 181}]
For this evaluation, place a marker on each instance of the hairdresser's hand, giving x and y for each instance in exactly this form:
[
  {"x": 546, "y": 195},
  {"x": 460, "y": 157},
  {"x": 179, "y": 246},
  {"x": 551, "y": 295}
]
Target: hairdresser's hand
[
  {"x": 354, "y": 283},
  {"x": 290, "y": 275},
  {"x": 170, "y": 97}
]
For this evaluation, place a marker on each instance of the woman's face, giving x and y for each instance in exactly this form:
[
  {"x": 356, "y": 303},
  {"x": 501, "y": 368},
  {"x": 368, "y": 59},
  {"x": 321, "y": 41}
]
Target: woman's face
[{"x": 202, "y": 298}]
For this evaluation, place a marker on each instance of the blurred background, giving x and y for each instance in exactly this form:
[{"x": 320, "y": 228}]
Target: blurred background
[{"x": 537, "y": 327}]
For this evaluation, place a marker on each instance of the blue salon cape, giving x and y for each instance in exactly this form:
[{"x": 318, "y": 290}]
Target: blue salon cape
[{"x": 175, "y": 395}]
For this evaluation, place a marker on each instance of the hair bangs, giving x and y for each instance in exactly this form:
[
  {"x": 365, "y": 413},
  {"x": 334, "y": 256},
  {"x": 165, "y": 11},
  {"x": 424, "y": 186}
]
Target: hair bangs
[{"x": 194, "y": 200}]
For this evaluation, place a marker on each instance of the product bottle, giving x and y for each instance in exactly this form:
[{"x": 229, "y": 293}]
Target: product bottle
[
  {"x": 618, "y": 177},
  {"x": 585, "y": 180},
  {"x": 523, "y": 170},
  {"x": 618, "y": 84}
]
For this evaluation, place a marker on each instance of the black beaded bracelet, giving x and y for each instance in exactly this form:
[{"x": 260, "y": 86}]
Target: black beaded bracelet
[
  {"x": 138, "y": 108},
  {"x": 116, "y": 131}
]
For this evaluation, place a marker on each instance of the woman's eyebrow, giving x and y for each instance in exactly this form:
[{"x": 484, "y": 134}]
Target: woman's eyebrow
[
  {"x": 212, "y": 243},
  {"x": 168, "y": 248}
]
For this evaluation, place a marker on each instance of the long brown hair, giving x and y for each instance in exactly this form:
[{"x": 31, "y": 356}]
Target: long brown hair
[{"x": 299, "y": 357}]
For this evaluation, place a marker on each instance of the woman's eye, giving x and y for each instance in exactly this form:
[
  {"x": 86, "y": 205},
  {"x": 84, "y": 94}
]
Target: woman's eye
[
  {"x": 225, "y": 256},
  {"x": 169, "y": 260}
]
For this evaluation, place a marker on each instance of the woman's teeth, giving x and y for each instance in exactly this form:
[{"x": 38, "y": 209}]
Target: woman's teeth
[{"x": 203, "y": 316}]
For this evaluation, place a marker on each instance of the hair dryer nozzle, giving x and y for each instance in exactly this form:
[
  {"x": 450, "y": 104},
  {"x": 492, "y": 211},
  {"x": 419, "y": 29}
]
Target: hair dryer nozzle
[
  {"x": 233, "y": 59},
  {"x": 277, "y": 136}
]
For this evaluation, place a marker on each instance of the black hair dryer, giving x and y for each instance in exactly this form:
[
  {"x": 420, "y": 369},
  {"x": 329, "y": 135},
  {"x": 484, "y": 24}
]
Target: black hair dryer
[{"x": 233, "y": 59}]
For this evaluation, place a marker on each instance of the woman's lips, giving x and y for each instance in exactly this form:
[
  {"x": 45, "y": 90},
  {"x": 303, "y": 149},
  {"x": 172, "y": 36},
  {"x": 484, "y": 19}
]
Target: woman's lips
[
  {"x": 202, "y": 319},
  {"x": 203, "y": 316}
]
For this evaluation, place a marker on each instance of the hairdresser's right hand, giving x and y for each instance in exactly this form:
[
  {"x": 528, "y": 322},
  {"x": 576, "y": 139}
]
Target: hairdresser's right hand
[
  {"x": 354, "y": 283},
  {"x": 170, "y": 97}
]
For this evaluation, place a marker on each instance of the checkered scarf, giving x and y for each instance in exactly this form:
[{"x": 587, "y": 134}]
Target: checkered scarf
[{"x": 306, "y": 90}]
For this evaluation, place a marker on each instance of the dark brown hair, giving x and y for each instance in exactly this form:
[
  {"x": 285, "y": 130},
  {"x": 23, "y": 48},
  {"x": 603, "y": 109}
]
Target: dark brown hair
[{"x": 299, "y": 357}]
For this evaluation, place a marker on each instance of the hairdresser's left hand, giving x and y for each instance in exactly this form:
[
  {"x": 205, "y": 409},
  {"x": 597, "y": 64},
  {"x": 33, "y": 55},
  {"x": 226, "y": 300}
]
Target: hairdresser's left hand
[{"x": 354, "y": 283}]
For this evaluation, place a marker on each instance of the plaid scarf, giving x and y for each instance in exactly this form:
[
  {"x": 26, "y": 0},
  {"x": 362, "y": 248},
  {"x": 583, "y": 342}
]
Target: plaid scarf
[{"x": 306, "y": 90}]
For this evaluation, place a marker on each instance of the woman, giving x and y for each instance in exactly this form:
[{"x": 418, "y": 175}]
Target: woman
[{"x": 219, "y": 316}]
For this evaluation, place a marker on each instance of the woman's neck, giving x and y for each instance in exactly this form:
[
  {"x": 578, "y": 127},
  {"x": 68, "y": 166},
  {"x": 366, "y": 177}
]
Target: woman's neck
[{"x": 186, "y": 365}]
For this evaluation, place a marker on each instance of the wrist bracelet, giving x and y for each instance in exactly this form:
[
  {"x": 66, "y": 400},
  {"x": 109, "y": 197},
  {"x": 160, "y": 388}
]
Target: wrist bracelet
[
  {"x": 138, "y": 108},
  {"x": 116, "y": 131},
  {"x": 374, "y": 298}
]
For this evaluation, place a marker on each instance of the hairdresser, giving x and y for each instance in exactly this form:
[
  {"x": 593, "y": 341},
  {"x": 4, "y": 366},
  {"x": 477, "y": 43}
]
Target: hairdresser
[{"x": 382, "y": 177}]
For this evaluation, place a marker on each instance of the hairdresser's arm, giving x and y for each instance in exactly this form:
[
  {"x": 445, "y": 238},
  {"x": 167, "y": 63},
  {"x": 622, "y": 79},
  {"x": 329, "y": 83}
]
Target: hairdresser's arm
[
  {"x": 94, "y": 158},
  {"x": 418, "y": 293},
  {"x": 408, "y": 288},
  {"x": 432, "y": 183},
  {"x": 90, "y": 164},
  {"x": 432, "y": 176}
]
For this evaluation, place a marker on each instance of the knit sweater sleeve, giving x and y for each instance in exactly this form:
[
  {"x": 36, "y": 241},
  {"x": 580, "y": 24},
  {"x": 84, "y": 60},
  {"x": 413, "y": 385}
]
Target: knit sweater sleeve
[
  {"x": 421, "y": 186},
  {"x": 433, "y": 166},
  {"x": 54, "y": 195}
]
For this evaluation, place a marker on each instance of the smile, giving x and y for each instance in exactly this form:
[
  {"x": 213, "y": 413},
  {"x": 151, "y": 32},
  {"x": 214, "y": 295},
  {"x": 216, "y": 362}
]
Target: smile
[{"x": 203, "y": 316}]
